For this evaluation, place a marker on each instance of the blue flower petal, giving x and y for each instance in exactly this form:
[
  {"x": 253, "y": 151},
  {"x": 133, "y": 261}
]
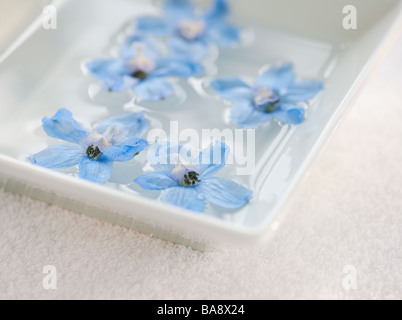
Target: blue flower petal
[
  {"x": 218, "y": 10},
  {"x": 152, "y": 26},
  {"x": 289, "y": 114},
  {"x": 135, "y": 142},
  {"x": 177, "y": 67},
  {"x": 187, "y": 198},
  {"x": 277, "y": 78},
  {"x": 140, "y": 144},
  {"x": 302, "y": 91},
  {"x": 154, "y": 89},
  {"x": 58, "y": 156},
  {"x": 160, "y": 156},
  {"x": 213, "y": 159},
  {"x": 184, "y": 49},
  {"x": 106, "y": 67},
  {"x": 119, "y": 84},
  {"x": 156, "y": 181},
  {"x": 224, "y": 193},
  {"x": 112, "y": 74},
  {"x": 232, "y": 89},
  {"x": 246, "y": 116},
  {"x": 223, "y": 34},
  {"x": 120, "y": 154},
  {"x": 63, "y": 126},
  {"x": 98, "y": 171},
  {"x": 130, "y": 125},
  {"x": 178, "y": 9},
  {"x": 125, "y": 152}
]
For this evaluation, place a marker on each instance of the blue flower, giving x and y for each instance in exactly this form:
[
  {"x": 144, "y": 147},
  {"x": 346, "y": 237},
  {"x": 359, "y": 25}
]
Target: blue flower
[
  {"x": 190, "y": 182},
  {"x": 141, "y": 68},
  {"x": 192, "y": 32},
  {"x": 275, "y": 95},
  {"x": 116, "y": 139}
]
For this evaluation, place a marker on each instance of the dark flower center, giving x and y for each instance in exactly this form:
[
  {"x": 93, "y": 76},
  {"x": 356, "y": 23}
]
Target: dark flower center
[
  {"x": 94, "y": 152},
  {"x": 190, "y": 179},
  {"x": 140, "y": 75},
  {"x": 266, "y": 100},
  {"x": 271, "y": 107},
  {"x": 267, "y": 107}
]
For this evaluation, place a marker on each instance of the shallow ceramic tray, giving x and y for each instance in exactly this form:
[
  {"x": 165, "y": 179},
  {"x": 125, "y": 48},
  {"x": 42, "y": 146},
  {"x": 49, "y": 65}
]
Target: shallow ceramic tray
[{"x": 41, "y": 73}]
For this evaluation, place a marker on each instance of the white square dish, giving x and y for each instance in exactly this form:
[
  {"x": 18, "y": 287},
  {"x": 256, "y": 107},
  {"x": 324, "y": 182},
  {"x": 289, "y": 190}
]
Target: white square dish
[{"x": 43, "y": 74}]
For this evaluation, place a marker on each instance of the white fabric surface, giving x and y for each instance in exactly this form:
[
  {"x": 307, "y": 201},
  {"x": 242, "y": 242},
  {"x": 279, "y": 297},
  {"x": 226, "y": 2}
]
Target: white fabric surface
[{"x": 348, "y": 212}]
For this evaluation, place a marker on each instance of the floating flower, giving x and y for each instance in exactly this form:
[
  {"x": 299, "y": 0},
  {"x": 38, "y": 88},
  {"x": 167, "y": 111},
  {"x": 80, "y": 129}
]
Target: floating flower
[
  {"x": 275, "y": 95},
  {"x": 116, "y": 139},
  {"x": 192, "y": 32},
  {"x": 143, "y": 69},
  {"x": 190, "y": 182}
]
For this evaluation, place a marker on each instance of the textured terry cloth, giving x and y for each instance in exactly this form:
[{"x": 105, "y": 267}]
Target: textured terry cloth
[{"x": 348, "y": 212}]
